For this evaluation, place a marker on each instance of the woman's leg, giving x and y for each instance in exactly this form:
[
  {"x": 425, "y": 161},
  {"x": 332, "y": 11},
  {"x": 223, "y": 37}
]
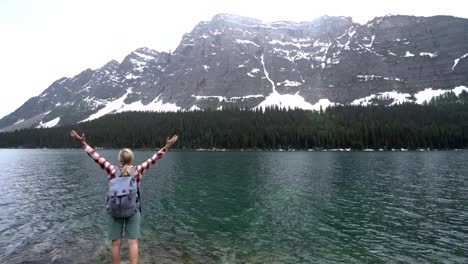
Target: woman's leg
[
  {"x": 114, "y": 233},
  {"x": 132, "y": 230},
  {"x": 116, "y": 251},
  {"x": 133, "y": 250}
]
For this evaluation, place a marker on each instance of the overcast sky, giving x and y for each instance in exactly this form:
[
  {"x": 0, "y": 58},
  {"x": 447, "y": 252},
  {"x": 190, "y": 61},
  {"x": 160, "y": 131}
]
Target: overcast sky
[{"x": 42, "y": 41}]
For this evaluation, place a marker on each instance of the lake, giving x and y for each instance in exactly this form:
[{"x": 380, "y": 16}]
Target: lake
[{"x": 242, "y": 207}]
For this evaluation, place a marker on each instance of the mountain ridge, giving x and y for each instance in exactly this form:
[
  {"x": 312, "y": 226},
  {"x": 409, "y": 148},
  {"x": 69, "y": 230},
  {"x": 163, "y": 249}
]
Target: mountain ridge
[{"x": 246, "y": 63}]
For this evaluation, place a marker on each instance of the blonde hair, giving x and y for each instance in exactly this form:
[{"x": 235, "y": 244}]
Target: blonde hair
[{"x": 125, "y": 159}]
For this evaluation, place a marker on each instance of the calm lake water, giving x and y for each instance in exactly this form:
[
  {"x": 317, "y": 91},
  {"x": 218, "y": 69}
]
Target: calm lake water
[{"x": 242, "y": 207}]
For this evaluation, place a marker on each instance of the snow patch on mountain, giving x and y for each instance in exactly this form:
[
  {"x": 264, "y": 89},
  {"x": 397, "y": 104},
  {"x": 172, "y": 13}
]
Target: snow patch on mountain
[
  {"x": 223, "y": 98},
  {"x": 286, "y": 43},
  {"x": 431, "y": 55},
  {"x": 409, "y": 54},
  {"x": 365, "y": 78},
  {"x": 246, "y": 97},
  {"x": 267, "y": 76},
  {"x": 155, "y": 106},
  {"x": 216, "y": 32},
  {"x": 427, "y": 94},
  {"x": 194, "y": 108},
  {"x": 253, "y": 72},
  {"x": 323, "y": 104},
  {"x": 371, "y": 43},
  {"x": 118, "y": 106},
  {"x": 49, "y": 124},
  {"x": 19, "y": 121},
  {"x": 110, "y": 107},
  {"x": 138, "y": 63},
  {"x": 131, "y": 76},
  {"x": 293, "y": 54},
  {"x": 292, "y": 101},
  {"x": 398, "y": 98},
  {"x": 455, "y": 62},
  {"x": 200, "y": 97},
  {"x": 94, "y": 102},
  {"x": 243, "y": 41},
  {"x": 144, "y": 56},
  {"x": 289, "y": 83},
  {"x": 459, "y": 89}
]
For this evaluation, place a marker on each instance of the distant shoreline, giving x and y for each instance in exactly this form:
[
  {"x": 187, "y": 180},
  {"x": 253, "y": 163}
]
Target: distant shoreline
[{"x": 267, "y": 150}]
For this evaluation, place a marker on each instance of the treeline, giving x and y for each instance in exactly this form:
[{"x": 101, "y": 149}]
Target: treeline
[{"x": 442, "y": 124}]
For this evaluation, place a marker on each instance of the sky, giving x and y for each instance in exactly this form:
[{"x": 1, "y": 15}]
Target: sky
[{"x": 42, "y": 41}]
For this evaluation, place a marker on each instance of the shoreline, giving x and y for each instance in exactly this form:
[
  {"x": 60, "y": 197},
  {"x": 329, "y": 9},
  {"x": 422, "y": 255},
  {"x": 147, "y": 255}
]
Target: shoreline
[{"x": 264, "y": 150}]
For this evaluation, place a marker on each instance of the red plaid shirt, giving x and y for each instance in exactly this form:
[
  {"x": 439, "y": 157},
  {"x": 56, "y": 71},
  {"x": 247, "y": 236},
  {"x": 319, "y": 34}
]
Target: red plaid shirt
[{"x": 110, "y": 169}]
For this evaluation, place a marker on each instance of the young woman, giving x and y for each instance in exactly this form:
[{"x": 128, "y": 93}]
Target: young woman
[{"x": 128, "y": 226}]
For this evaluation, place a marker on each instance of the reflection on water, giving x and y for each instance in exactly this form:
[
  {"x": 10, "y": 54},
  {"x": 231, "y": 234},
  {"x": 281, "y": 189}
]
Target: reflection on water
[{"x": 243, "y": 207}]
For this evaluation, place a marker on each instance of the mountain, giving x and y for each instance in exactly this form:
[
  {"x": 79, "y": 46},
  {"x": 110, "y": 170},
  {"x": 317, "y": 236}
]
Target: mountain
[{"x": 234, "y": 61}]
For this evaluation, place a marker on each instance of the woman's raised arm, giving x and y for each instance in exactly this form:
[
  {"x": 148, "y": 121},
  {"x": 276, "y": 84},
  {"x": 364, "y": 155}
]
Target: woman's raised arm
[
  {"x": 151, "y": 161},
  {"x": 105, "y": 165}
]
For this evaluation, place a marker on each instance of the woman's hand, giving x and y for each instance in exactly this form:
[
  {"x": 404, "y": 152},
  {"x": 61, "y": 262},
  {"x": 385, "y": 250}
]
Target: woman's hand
[
  {"x": 75, "y": 135},
  {"x": 171, "y": 141}
]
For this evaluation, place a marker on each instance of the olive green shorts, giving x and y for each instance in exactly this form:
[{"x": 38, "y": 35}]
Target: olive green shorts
[{"x": 124, "y": 227}]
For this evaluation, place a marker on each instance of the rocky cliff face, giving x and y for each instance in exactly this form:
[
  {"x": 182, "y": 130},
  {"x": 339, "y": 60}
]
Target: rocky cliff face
[{"x": 234, "y": 61}]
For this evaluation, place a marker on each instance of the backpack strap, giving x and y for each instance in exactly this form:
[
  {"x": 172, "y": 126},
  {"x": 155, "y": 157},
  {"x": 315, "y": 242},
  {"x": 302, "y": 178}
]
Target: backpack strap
[
  {"x": 133, "y": 172},
  {"x": 118, "y": 173},
  {"x": 139, "y": 199}
]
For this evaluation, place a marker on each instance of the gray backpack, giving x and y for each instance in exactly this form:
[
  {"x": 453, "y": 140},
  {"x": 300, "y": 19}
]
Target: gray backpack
[{"x": 123, "y": 198}]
